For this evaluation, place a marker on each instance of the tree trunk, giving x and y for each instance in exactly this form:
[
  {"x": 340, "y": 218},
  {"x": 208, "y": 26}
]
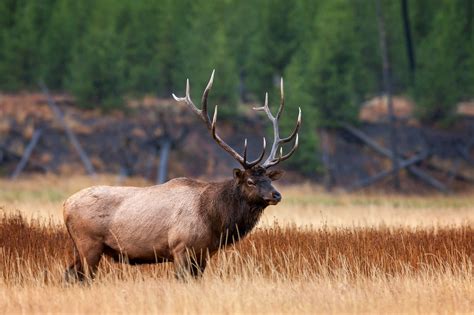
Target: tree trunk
[
  {"x": 69, "y": 133},
  {"x": 164, "y": 157},
  {"x": 408, "y": 39},
  {"x": 388, "y": 91},
  {"x": 325, "y": 157},
  {"x": 26, "y": 155}
]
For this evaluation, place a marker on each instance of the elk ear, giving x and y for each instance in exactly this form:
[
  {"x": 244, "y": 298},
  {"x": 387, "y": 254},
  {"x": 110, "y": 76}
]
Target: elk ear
[
  {"x": 238, "y": 174},
  {"x": 275, "y": 175}
]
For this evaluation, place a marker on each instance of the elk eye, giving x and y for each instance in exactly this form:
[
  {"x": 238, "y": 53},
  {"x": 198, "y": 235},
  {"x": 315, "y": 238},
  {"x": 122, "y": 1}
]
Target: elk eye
[{"x": 250, "y": 182}]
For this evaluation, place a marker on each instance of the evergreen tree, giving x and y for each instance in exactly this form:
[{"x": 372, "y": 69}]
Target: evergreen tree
[
  {"x": 396, "y": 46},
  {"x": 203, "y": 46},
  {"x": 170, "y": 27},
  {"x": 242, "y": 20},
  {"x": 139, "y": 31},
  {"x": 7, "y": 21},
  {"x": 97, "y": 69},
  {"x": 65, "y": 27},
  {"x": 333, "y": 70},
  {"x": 336, "y": 62},
  {"x": 19, "y": 56},
  {"x": 445, "y": 63},
  {"x": 272, "y": 44},
  {"x": 328, "y": 51}
]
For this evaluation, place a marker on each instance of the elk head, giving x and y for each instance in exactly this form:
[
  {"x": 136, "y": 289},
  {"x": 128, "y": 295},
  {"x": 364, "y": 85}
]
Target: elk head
[{"x": 255, "y": 180}]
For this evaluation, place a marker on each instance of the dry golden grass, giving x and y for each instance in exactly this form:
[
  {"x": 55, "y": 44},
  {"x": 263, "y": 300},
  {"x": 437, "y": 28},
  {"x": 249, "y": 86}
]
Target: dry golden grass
[
  {"x": 327, "y": 254},
  {"x": 303, "y": 205}
]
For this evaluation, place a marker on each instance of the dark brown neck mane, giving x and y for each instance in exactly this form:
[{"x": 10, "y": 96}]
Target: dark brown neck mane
[{"x": 230, "y": 215}]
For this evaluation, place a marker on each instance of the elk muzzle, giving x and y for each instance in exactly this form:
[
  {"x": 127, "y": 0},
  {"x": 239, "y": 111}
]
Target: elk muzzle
[{"x": 274, "y": 198}]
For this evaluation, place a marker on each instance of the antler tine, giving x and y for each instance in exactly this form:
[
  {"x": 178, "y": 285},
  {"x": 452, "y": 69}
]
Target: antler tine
[
  {"x": 221, "y": 142},
  {"x": 245, "y": 150},
  {"x": 276, "y": 161},
  {"x": 295, "y": 146},
  {"x": 295, "y": 131},
  {"x": 277, "y": 141},
  {"x": 205, "y": 94},
  {"x": 187, "y": 99},
  {"x": 265, "y": 108},
  {"x": 282, "y": 100},
  {"x": 282, "y": 157},
  {"x": 203, "y": 113},
  {"x": 259, "y": 159},
  {"x": 242, "y": 161}
]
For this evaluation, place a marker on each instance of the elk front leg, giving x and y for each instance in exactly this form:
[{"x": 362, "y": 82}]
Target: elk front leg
[
  {"x": 188, "y": 263},
  {"x": 198, "y": 263}
]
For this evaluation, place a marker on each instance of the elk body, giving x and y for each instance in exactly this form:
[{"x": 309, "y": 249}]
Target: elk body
[{"x": 184, "y": 221}]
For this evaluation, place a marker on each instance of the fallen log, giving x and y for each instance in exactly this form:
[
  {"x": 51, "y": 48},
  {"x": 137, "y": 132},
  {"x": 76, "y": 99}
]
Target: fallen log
[
  {"x": 26, "y": 155},
  {"x": 69, "y": 133},
  {"x": 464, "y": 152},
  {"x": 453, "y": 173},
  {"x": 379, "y": 176},
  {"x": 414, "y": 170}
]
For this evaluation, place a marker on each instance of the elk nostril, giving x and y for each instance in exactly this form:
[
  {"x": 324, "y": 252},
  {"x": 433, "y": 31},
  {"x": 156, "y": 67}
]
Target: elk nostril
[{"x": 276, "y": 195}]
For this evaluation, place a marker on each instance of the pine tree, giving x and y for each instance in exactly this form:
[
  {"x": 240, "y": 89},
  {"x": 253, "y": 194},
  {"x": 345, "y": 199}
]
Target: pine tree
[
  {"x": 445, "y": 63},
  {"x": 203, "y": 46},
  {"x": 139, "y": 30},
  {"x": 20, "y": 59},
  {"x": 333, "y": 70},
  {"x": 63, "y": 30},
  {"x": 242, "y": 21},
  {"x": 170, "y": 26},
  {"x": 272, "y": 44},
  {"x": 97, "y": 69}
]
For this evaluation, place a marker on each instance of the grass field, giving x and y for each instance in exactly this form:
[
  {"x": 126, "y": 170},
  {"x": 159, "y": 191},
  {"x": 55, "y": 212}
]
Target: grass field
[{"x": 313, "y": 253}]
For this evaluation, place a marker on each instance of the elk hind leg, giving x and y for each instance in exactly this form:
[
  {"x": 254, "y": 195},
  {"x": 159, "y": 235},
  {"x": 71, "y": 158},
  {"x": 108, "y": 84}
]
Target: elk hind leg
[
  {"x": 74, "y": 270},
  {"x": 90, "y": 252}
]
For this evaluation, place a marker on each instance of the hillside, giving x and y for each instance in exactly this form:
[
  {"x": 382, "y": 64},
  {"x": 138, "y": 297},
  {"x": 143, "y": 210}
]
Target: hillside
[
  {"x": 130, "y": 141},
  {"x": 129, "y": 138}
]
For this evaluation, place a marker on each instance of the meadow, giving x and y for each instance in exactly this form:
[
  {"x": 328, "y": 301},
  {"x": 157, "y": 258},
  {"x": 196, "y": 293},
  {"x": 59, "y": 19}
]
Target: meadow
[{"x": 313, "y": 253}]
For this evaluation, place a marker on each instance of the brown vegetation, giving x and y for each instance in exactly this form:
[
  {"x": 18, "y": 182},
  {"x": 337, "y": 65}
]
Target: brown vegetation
[{"x": 32, "y": 251}]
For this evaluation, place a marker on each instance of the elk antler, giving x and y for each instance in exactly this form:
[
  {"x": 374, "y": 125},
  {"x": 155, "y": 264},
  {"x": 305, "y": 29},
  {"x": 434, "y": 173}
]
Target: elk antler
[
  {"x": 211, "y": 126},
  {"x": 277, "y": 142}
]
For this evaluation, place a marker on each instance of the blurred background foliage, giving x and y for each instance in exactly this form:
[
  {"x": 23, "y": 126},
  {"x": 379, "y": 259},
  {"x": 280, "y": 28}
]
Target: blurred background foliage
[{"x": 327, "y": 51}]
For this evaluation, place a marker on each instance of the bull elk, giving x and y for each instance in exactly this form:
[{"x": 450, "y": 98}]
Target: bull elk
[{"x": 184, "y": 221}]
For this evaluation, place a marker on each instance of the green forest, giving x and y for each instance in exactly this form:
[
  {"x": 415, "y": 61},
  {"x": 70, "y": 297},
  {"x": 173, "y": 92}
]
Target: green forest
[{"x": 328, "y": 52}]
